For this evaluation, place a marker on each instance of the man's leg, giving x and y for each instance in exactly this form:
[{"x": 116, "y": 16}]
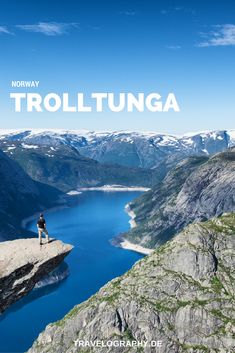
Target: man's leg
[
  {"x": 40, "y": 236},
  {"x": 47, "y": 235}
]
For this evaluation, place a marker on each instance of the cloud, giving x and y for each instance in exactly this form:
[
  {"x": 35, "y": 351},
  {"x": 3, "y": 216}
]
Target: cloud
[
  {"x": 4, "y": 30},
  {"x": 221, "y": 35},
  {"x": 128, "y": 13},
  {"x": 182, "y": 9},
  {"x": 49, "y": 28},
  {"x": 173, "y": 47}
]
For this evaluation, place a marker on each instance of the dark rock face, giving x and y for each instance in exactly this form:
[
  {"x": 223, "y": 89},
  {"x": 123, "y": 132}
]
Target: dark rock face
[
  {"x": 53, "y": 277},
  {"x": 181, "y": 294},
  {"x": 197, "y": 189},
  {"x": 23, "y": 263},
  {"x": 20, "y": 196},
  {"x": 65, "y": 168}
]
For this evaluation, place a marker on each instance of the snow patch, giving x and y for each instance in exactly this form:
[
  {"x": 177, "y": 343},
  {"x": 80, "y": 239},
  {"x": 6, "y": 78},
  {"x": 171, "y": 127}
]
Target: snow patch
[{"x": 24, "y": 145}]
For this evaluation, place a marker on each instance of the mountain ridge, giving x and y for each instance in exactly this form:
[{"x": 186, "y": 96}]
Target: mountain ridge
[
  {"x": 133, "y": 149},
  {"x": 197, "y": 189},
  {"x": 181, "y": 294},
  {"x": 66, "y": 169}
]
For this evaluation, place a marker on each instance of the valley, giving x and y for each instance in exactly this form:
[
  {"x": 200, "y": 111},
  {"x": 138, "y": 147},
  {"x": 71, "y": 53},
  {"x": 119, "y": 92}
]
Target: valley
[{"x": 182, "y": 291}]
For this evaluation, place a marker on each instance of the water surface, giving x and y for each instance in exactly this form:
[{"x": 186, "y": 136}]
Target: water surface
[{"x": 89, "y": 224}]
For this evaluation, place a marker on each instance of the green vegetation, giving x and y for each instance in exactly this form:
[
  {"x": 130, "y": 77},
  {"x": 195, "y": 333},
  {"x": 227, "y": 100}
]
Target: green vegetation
[
  {"x": 216, "y": 284},
  {"x": 196, "y": 347}
]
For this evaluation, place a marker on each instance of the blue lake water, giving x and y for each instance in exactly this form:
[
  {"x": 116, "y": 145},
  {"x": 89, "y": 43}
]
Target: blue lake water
[{"x": 94, "y": 219}]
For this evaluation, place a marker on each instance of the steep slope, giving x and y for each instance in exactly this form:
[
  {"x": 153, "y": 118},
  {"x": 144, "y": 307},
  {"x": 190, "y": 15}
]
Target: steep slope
[
  {"x": 197, "y": 189},
  {"x": 132, "y": 149},
  {"x": 63, "y": 167},
  {"x": 23, "y": 263},
  {"x": 182, "y": 294},
  {"x": 20, "y": 196}
]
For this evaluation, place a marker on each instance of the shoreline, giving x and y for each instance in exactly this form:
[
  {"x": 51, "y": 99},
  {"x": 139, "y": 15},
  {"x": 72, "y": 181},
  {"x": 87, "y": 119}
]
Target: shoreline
[
  {"x": 73, "y": 193},
  {"x": 126, "y": 244},
  {"x": 28, "y": 219},
  {"x": 108, "y": 188},
  {"x": 62, "y": 203},
  {"x": 117, "y": 241}
]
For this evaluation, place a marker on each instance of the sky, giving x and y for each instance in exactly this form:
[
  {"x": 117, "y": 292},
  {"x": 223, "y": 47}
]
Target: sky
[{"x": 186, "y": 47}]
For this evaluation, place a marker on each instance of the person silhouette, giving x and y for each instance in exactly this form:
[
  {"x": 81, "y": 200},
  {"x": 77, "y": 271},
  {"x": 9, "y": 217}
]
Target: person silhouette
[{"x": 41, "y": 225}]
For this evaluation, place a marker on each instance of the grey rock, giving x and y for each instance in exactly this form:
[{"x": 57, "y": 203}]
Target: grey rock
[
  {"x": 23, "y": 263},
  {"x": 181, "y": 294},
  {"x": 197, "y": 189},
  {"x": 55, "y": 276}
]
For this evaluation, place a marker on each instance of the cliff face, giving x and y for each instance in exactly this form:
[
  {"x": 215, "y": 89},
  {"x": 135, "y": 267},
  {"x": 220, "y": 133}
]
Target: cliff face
[
  {"x": 181, "y": 294},
  {"x": 65, "y": 168},
  {"x": 197, "y": 189},
  {"x": 23, "y": 263},
  {"x": 20, "y": 196}
]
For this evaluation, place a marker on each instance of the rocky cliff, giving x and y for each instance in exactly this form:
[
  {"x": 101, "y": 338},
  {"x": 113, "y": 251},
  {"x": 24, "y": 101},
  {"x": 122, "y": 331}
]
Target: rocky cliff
[
  {"x": 23, "y": 263},
  {"x": 182, "y": 294},
  {"x": 197, "y": 189}
]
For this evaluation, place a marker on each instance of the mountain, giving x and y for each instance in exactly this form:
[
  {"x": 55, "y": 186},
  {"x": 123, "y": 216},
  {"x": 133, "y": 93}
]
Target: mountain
[
  {"x": 63, "y": 167},
  {"x": 181, "y": 295},
  {"x": 197, "y": 189},
  {"x": 132, "y": 149},
  {"x": 20, "y": 197}
]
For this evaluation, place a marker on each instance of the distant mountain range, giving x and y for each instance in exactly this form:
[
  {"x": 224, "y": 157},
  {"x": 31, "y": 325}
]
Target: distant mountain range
[{"x": 132, "y": 149}]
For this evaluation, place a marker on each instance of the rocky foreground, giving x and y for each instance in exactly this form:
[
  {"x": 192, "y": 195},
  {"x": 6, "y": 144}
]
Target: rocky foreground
[
  {"x": 182, "y": 294},
  {"x": 23, "y": 263}
]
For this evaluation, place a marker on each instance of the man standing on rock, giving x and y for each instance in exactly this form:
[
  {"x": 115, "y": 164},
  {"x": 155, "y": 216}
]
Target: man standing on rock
[{"x": 42, "y": 229}]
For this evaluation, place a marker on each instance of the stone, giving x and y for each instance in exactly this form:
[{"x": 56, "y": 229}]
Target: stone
[
  {"x": 182, "y": 294},
  {"x": 23, "y": 263}
]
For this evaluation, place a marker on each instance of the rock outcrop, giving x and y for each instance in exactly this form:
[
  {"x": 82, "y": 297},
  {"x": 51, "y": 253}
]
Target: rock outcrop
[
  {"x": 197, "y": 189},
  {"x": 23, "y": 263},
  {"x": 182, "y": 294}
]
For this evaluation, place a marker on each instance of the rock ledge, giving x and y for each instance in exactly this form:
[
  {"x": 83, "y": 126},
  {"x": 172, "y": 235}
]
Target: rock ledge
[{"x": 23, "y": 263}]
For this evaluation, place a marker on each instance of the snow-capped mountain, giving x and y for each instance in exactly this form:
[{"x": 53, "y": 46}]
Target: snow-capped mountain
[{"x": 133, "y": 149}]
